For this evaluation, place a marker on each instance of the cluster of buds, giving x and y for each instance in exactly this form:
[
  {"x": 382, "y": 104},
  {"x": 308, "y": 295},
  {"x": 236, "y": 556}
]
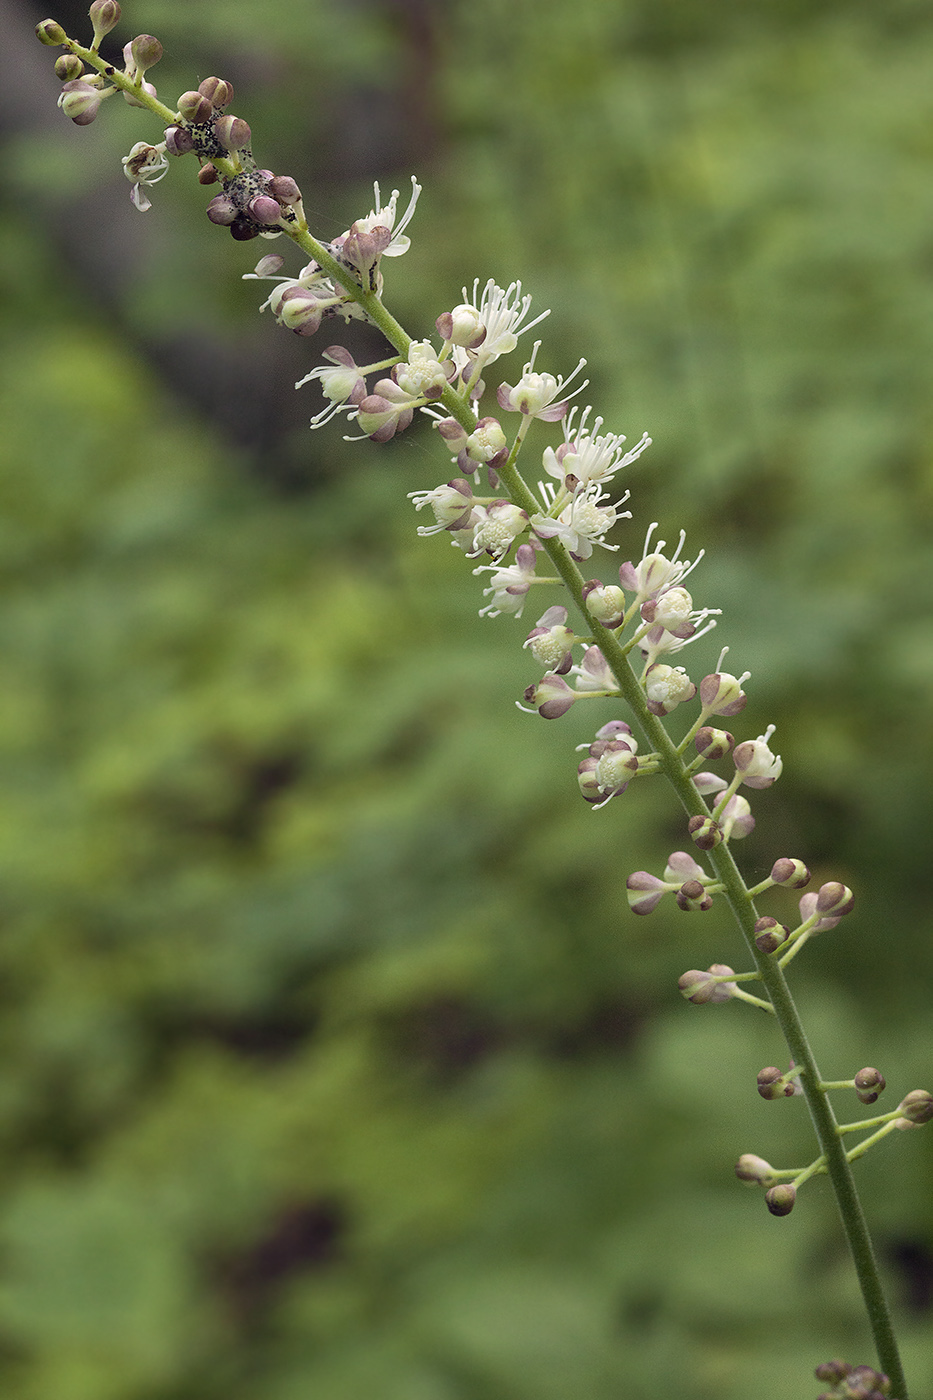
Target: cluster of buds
[
  {"x": 852, "y": 1382},
  {"x": 253, "y": 201},
  {"x": 782, "y": 1184}
]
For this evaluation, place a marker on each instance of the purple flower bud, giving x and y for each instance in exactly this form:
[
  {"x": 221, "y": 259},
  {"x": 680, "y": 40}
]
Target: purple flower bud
[
  {"x": 754, "y": 1169},
  {"x": 195, "y": 108},
  {"x": 264, "y": 209},
  {"x": 208, "y": 174},
  {"x": 146, "y": 52},
  {"x": 49, "y": 31},
  {"x": 780, "y": 1199},
  {"x": 702, "y": 987},
  {"x": 869, "y": 1083},
  {"x": 704, "y": 832},
  {"x": 713, "y": 743},
  {"x": 605, "y": 603},
  {"x": 769, "y": 934},
  {"x": 833, "y": 900},
  {"x": 692, "y": 898},
  {"x": 104, "y": 16},
  {"x": 791, "y": 873},
  {"x": 68, "y": 67},
  {"x": 645, "y": 891},
  {"x": 222, "y": 210},
  {"x": 233, "y": 133},
  {"x": 178, "y": 141},
  {"x": 80, "y": 101},
  {"x": 284, "y": 189},
  {"x": 916, "y": 1108},
  {"x": 758, "y": 766},
  {"x": 772, "y": 1085},
  {"x": 722, "y": 694},
  {"x": 217, "y": 91},
  {"x": 551, "y": 697}
]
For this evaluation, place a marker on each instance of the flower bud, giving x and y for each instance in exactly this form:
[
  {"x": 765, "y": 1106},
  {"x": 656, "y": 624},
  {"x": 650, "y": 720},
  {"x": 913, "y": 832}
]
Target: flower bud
[
  {"x": 208, "y": 174},
  {"x": 869, "y": 1083},
  {"x": 146, "y": 52},
  {"x": 769, "y": 934},
  {"x": 68, "y": 67},
  {"x": 604, "y": 602},
  {"x": 713, "y": 743},
  {"x": 104, "y": 16},
  {"x": 832, "y": 1371},
  {"x": 49, "y": 31},
  {"x": 233, "y": 133},
  {"x": 222, "y": 210},
  {"x": 284, "y": 189},
  {"x": 692, "y": 898},
  {"x": 666, "y": 687},
  {"x": 195, "y": 108},
  {"x": 80, "y": 101},
  {"x": 217, "y": 91},
  {"x": 758, "y": 766},
  {"x": 793, "y": 874},
  {"x": 178, "y": 141},
  {"x": 704, "y": 832},
  {"x": 916, "y": 1108},
  {"x": 754, "y": 1169},
  {"x": 780, "y": 1199},
  {"x": 833, "y": 900},
  {"x": 702, "y": 987},
  {"x": 264, "y": 209},
  {"x": 243, "y": 229},
  {"x": 551, "y": 697},
  {"x": 772, "y": 1085},
  {"x": 644, "y": 891},
  {"x": 722, "y": 694}
]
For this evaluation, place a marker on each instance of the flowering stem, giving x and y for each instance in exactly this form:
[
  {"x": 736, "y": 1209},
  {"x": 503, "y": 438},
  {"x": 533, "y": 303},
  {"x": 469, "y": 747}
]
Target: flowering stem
[{"x": 772, "y": 976}]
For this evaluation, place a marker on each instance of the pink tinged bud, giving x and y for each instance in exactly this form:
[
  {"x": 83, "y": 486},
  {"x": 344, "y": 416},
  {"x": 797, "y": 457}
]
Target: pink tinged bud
[
  {"x": 666, "y": 687},
  {"x": 264, "y": 209},
  {"x": 713, "y": 743},
  {"x": 218, "y": 92},
  {"x": 915, "y": 1109},
  {"x": 780, "y": 1199},
  {"x": 681, "y": 866},
  {"x": 208, "y": 175},
  {"x": 284, "y": 189},
  {"x": 222, "y": 210},
  {"x": 80, "y": 101},
  {"x": 462, "y": 326},
  {"x": 791, "y": 873},
  {"x": 704, "y": 832},
  {"x": 178, "y": 141},
  {"x": 49, "y": 31},
  {"x": 869, "y": 1083},
  {"x": 233, "y": 133},
  {"x": 146, "y": 51},
  {"x": 807, "y": 906},
  {"x": 702, "y": 987},
  {"x": 68, "y": 67},
  {"x": 722, "y": 694},
  {"x": 605, "y": 603},
  {"x": 644, "y": 892},
  {"x": 756, "y": 763},
  {"x": 833, "y": 1371},
  {"x": 769, "y": 934},
  {"x": 834, "y": 900},
  {"x": 595, "y": 673},
  {"x": 588, "y": 782},
  {"x": 383, "y": 414},
  {"x": 692, "y": 898},
  {"x": 361, "y": 248},
  {"x": 772, "y": 1085},
  {"x": 195, "y": 108},
  {"x": 737, "y": 820},
  {"x": 708, "y": 783},
  {"x": 671, "y": 610},
  {"x": 551, "y": 697},
  {"x": 754, "y": 1169},
  {"x": 104, "y": 16}
]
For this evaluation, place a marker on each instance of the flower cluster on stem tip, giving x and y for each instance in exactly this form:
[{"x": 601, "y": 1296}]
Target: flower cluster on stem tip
[{"x": 615, "y": 641}]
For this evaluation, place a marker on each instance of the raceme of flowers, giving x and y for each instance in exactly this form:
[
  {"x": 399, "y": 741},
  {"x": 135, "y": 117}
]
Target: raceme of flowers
[{"x": 638, "y": 621}]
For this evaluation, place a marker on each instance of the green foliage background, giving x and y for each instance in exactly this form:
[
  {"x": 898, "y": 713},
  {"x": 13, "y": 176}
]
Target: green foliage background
[{"x": 333, "y": 1063}]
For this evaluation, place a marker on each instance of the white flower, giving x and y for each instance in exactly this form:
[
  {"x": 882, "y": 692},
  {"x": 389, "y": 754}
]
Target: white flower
[
  {"x": 383, "y": 216},
  {"x": 582, "y": 523},
  {"x": 509, "y": 586},
  {"x": 656, "y": 572},
  {"x": 145, "y": 165},
  {"x": 586, "y": 456},
  {"x": 535, "y": 393},
  {"x": 501, "y": 313}
]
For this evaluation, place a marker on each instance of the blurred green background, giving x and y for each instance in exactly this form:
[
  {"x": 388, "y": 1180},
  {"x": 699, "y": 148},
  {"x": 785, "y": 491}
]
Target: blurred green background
[{"x": 333, "y": 1063}]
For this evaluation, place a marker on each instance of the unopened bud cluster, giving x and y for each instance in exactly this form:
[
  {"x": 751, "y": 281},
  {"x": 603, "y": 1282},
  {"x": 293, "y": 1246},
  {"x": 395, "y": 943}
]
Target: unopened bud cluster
[{"x": 852, "y": 1382}]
